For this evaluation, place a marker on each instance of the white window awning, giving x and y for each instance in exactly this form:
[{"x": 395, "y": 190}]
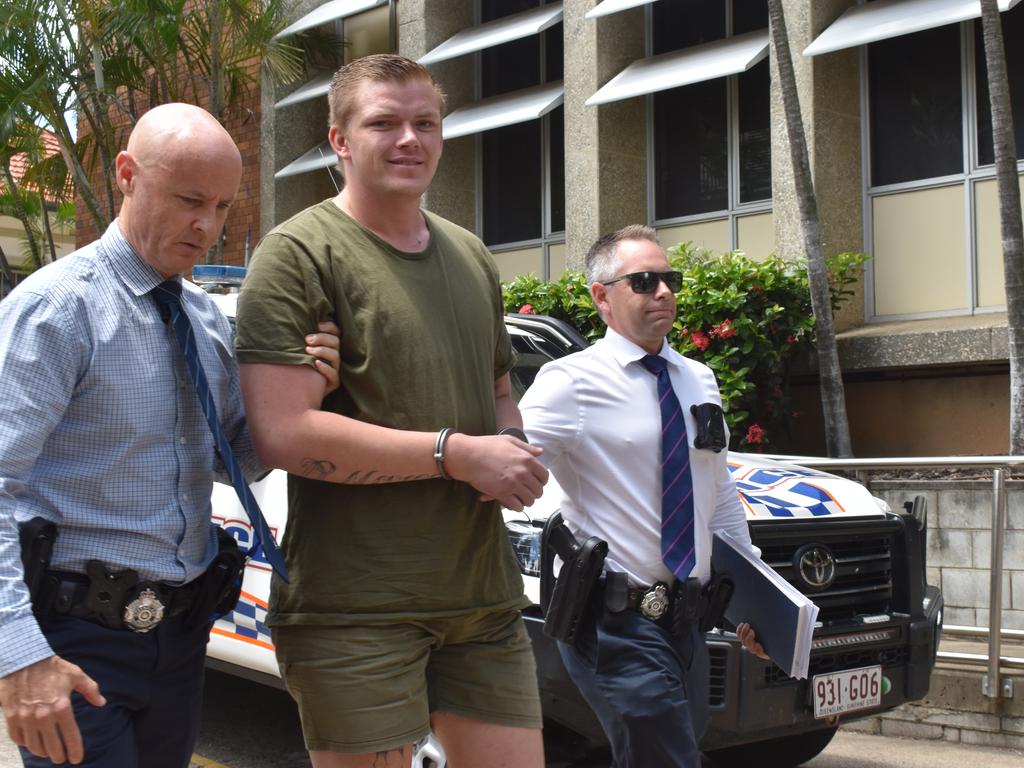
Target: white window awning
[
  {"x": 503, "y": 30},
  {"x": 330, "y": 11},
  {"x": 506, "y": 109},
  {"x": 883, "y": 19},
  {"x": 320, "y": 156},
  {"x": 314, "y": 89},
  {"x": 608, "y": 7},
  {"x": 696, "y": 64}
]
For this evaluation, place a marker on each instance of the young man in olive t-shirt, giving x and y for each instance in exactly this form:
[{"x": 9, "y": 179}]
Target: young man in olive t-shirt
[{"x": 402, "y": 613}]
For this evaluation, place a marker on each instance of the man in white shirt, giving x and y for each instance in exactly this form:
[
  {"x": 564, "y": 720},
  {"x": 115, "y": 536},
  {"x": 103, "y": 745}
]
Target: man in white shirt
[{"x": 598, "y": 416}]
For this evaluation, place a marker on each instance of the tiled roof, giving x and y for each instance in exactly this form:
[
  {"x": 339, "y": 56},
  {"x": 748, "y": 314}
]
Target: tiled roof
[{"x": 19, "y": 162}]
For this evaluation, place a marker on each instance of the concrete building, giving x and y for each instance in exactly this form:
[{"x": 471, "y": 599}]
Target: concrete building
[{"x": 567, "y": 120}]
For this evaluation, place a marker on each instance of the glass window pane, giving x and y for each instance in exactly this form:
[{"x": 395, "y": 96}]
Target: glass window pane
[
  {"x": 749, "y": 15},
  {"x": 690, "y": 150},
  {"x": 511, "y": 194},
  {"x": 1013, "y": 32},
  {"x": 554, "y": 53},
  {"x": 683, "y": 23},
  {"x": 556, "y": 174},
  {"x": 916, "y": 119},
  {"x": 510, "y": 66},
  {"x": 755, "y": 134},
  {"x": 495, "y": 9}
]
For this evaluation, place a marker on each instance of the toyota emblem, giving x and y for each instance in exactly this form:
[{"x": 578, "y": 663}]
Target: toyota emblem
[{"x": 815, "y": 566}]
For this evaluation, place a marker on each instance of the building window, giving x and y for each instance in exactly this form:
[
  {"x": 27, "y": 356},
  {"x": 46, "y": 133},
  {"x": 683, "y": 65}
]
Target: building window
[
  {"x": 522, "y": 166},
  {"x": 711, "y": 140},
  {"x": 916, "y": 114},
  {"x": 931, "y": 193}
]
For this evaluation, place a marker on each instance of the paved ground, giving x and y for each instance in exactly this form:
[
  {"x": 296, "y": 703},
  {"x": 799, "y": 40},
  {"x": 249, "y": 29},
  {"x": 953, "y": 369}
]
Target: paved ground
[{"x": 847, "y": 750}]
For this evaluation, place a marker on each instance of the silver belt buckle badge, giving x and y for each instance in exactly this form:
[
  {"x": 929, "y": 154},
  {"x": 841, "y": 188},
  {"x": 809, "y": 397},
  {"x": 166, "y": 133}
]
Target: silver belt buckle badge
[
  {"x": 144, "y": 612},
  {"x": 654, "y": 603}
]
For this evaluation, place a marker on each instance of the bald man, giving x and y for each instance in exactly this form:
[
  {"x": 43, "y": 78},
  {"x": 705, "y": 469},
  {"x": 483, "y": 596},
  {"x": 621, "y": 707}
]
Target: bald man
[{"x": 102, "y": 434}]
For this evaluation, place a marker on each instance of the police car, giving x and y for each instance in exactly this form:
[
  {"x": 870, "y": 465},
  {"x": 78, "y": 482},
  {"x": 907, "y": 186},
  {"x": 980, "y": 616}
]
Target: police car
[{"x": 862, "y": 564}]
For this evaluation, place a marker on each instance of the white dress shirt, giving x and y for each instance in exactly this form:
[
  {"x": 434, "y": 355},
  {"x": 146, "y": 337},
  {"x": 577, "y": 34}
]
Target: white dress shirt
[{"x": 596, "y": 415}]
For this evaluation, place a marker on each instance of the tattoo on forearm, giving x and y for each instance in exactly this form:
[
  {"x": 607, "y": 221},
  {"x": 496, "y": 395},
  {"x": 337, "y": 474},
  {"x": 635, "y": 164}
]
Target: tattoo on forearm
[
  {"x": 373, "y": 477},
  {"x": 318, "y": 469},
  {"x": 383, "y": 759}
]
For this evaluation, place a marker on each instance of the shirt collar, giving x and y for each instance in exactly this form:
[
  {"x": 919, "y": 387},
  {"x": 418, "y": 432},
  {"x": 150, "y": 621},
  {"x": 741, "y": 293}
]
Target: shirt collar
[
  {"x": 625, "y": 351},
  {"x": 135, "y": 272}
]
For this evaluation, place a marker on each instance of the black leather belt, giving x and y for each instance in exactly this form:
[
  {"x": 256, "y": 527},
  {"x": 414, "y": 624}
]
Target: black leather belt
[{"x": 117, "y": 601}]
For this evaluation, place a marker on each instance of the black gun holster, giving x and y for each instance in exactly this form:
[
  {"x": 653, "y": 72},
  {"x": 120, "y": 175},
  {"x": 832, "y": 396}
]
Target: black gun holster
[
  {"x": 567, "y": 600},
  {"x": 715, "y": 600},
  {"x": 37, "y": 537},
  {"x": 220, "y": 586}
]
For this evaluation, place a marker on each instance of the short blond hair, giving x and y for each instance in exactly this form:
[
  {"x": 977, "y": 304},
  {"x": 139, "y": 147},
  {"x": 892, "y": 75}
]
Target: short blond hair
[{"x": 378, "y": 68}]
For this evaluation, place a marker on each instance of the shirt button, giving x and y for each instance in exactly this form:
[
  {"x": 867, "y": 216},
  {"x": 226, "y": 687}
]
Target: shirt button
[{"x": 182, "y": 440}]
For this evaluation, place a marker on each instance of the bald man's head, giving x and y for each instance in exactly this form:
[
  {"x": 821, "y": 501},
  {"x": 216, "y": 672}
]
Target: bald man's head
[{"x": 179, "y": 175}]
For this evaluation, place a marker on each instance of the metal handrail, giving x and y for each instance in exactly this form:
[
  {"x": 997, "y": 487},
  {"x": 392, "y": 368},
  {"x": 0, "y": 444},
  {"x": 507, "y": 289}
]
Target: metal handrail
[{"x": 992, "y": 684}]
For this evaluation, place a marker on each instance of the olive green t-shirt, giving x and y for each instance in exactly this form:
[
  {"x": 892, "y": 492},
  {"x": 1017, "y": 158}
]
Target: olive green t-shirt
[{"x": 422, "y": 341}]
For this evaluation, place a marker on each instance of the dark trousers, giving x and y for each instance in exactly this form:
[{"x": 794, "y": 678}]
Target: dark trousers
[
  {"x": 648, "y": 689},
  {"x": 153, "y": 684}
]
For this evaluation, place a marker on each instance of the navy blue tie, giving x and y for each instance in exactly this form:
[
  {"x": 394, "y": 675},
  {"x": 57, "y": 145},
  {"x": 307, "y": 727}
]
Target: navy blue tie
[
  {"x": 168, "y": 299},
  {"x": 676, "y": 481}
]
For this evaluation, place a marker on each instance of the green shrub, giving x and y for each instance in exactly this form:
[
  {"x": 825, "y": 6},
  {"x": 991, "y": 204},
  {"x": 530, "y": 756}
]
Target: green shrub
[{"x": 747, "y": 320}]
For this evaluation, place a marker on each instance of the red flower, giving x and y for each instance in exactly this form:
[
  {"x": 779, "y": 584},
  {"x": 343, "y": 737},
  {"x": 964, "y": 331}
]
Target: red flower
[
  {"x": 790, "y": 339},
  {"x": 755, "y": 435},
  {"x": 724, "y": 329},
  {"x": 527, "y": 309},
  {"x": 684, "y": 332},
  {"x": 700, "y": 340}
]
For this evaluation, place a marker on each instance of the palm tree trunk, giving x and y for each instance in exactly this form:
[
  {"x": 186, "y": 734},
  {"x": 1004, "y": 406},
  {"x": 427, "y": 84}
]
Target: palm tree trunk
[
  {"x": 215, "y": 17},
  {"x": 48, "y": 230},
  {"x": 19, "y": 211},
  {"x": 833, "y": 395},
  {"x": 8, "y": 273},
  {"x": 1011, "y": 228}
]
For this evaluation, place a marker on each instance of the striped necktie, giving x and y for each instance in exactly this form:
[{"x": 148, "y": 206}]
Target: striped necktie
[
  {"x": 676, "y": 482},
  {"x": 168, "y": 299}
]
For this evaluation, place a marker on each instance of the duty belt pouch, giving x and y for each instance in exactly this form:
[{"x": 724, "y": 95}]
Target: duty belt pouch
[
  {"x": 37, "y": 537},
  {"x": 107, "y": 594},
  {"x": 715, "y": 599},
  {"x": 616, "y": 599},
  {"x": 685, "y": 606},
  {"x": 220, "y": 585},
  {"x": 581, "y": 567}
]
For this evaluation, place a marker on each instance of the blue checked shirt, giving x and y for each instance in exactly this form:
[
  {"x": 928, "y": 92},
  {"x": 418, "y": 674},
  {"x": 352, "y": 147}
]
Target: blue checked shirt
[{"x": 101, "y": 430}]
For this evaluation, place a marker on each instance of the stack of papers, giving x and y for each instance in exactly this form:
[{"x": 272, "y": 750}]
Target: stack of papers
[{"x": 781, "y": 615}]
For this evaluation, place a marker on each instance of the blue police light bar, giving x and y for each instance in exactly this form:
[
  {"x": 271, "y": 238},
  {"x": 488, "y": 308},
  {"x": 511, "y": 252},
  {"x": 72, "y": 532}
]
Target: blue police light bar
[{"x": 223, "y": 274}]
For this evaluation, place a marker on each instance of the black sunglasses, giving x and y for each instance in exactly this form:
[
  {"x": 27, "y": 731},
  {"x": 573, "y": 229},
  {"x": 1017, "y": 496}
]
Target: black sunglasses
[{"x": 647, "y": 282}]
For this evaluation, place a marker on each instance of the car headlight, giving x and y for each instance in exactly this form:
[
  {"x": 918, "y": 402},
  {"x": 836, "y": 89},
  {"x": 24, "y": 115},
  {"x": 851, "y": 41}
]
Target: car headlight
[{"x": 525, "y": 538}]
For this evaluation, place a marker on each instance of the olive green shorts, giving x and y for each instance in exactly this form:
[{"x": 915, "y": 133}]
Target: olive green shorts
[{"x": 372, "y": 687}]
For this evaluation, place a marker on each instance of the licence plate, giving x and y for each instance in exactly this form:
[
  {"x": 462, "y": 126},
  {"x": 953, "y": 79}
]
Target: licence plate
[{"x": 846, "y": 691}]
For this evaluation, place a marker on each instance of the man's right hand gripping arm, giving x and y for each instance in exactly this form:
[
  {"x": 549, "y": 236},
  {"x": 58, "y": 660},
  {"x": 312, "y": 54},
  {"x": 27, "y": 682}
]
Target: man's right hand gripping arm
[{"x": 35, "y": 684}]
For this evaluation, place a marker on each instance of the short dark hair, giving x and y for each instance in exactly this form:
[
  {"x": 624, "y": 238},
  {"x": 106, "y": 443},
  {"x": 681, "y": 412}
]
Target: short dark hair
[
  {"x": 380, "y": 68},
  {"x": 602, "y": 262}
]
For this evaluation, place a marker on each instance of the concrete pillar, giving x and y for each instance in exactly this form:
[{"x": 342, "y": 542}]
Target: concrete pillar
[
  {"x": 422, "y": 26},
  {"x": 605, "y": 147},
  {"x": 284, "y": 135},
  {"x": 829, "y": 87}
]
